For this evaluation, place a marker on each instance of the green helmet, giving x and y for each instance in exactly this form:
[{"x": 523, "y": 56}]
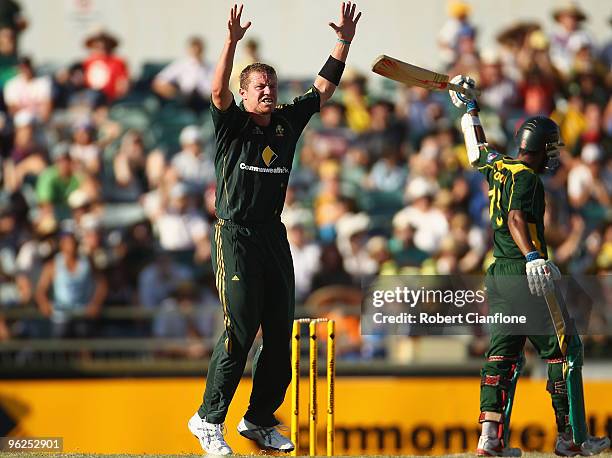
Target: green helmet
[{"x": 540, "y": 134}]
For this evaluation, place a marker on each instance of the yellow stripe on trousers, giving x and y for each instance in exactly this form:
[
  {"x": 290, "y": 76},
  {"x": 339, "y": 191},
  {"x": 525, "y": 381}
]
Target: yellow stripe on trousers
[{"x": 220, "y": 281}]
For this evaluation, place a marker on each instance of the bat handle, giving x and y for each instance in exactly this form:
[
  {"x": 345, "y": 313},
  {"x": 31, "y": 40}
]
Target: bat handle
[{"x": 471, "y": 93}]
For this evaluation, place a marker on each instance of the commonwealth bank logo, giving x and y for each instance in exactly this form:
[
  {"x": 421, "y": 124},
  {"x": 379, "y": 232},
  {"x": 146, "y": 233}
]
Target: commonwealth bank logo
[{"x": 268, "y": 156}]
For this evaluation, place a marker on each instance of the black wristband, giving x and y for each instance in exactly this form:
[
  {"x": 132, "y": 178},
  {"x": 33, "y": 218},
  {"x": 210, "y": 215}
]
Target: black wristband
[{"x": 332, "y": 70}]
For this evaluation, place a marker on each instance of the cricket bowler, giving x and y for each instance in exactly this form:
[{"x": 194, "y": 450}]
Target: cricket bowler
[
  {"x": 516, "y": 211},
  {"x": 255, "y": 146}
]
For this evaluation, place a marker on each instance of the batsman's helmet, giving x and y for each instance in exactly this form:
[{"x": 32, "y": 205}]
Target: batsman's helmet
[{"x": 540, "y": 134}]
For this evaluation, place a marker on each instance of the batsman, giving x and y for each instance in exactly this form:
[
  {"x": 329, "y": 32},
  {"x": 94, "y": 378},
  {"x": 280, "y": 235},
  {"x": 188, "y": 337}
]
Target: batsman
[
  {"x": 255, "y": 147},
  {"x": 516, "y": 210}
]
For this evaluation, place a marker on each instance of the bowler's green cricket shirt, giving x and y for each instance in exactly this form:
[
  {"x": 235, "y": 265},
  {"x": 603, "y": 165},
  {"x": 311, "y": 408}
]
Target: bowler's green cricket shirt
[
  {"x": 512, "y": 186},
  {"x": 253, "y": 162}
]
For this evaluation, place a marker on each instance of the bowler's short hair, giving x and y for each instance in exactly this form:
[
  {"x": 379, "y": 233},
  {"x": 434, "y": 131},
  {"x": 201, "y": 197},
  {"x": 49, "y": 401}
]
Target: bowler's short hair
[{"x": 256, "y": 67}]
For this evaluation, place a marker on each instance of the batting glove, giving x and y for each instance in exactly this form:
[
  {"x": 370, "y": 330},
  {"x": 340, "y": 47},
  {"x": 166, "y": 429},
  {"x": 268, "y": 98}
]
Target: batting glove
[
  {"x": 541, "y": 274},
  {"x": 461, "y": 100}
]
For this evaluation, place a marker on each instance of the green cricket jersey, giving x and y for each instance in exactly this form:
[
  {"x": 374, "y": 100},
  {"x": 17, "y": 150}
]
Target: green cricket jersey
[
  {"x": 512, "y": 186},
  {"x": 252, "y": 162}
]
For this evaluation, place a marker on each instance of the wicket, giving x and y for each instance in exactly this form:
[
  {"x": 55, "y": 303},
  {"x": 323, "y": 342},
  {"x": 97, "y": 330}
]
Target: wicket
[{"x": 313, "y": 373}]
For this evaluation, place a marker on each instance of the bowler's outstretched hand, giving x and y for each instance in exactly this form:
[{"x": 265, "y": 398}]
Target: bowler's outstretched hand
[
  {"x": 236, "y": 31},
  {"x": 348, "y": 21}
]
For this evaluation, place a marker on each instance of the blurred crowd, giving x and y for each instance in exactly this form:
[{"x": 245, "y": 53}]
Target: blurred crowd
[{"x": 108, "y": 185}]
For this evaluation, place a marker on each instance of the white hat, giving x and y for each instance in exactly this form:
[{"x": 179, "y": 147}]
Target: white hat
[
  {"x": 490, "y": 56},
  {"x": 420, "y": 187},
  {"x": 352, "y": 224},
  {"x": 23, "y": 118},
  {"x": 78, "y": 198},
  {"x": 190, "y": 135},
  {"x": 298, "y": 217},
  {"x": 591, "y": 152}
]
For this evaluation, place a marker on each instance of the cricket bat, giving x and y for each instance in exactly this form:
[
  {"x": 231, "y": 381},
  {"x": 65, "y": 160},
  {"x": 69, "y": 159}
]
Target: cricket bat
[{"x": 411, "y": 75}]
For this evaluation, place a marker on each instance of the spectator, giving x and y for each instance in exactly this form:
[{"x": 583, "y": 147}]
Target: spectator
[
  {"x": 183, "y": 230},
  {"x": 468, "y": 59},
  {"x": 84, "y": 151},
  {"x": 421, "y": 110},
  {"x": 384, "y": 133},
  {"x": 188, "y": 78},
  {"x": 8, "y": 55},
  {"x": 11, "y": 17},
  {"x": 157, "y": 280},
  {"x": 9, "y": 241},
  {"x": 586, "y": 187},
  {"x": 592, "y": 130},
  {"x": 92, "y": 243},
  {"x": 33, "y": 255},
  {"x": 333, "y": 138},
  {"x": 72, "y": 93},
  {"x": 27, "y": 157},
  {"x": 355, "y": 100},
  {"x": 429, "y": 222},
  {"x": 57, "y": 182},
  {"x": 81, "y": 205},
  {"x": 388, "y": 173},
  {"x": 132, "y": 168},
  {"x": 536, "y": 94},
  {"x": 104, "y": 71},
  {"x": 458, "y": 24},
  {"x": 306, "y": 254},
  {"x": 330, "y": 203},
  {"x": 192, "y": 165},
  {"x": 498, "y": 92},
  {"x": 569, "y": 18},
  {"x": 402, "y": 246},
  {"x": 332, "y": 271},
  {"x": 28, "y": 92},
  {"x": 378, "y": 249},
  {"x": 186, "y": 314},
  {"x": 352, "y": 242},
  {"x": 78, "y": 291}
]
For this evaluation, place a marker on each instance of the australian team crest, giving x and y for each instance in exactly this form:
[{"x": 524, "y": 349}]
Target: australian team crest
[{"x": 491, "y": 157}]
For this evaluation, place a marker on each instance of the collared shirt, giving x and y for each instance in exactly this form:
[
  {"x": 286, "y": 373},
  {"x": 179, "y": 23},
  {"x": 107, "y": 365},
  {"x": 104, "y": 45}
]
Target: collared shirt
[{"x": 252, "y": 162}]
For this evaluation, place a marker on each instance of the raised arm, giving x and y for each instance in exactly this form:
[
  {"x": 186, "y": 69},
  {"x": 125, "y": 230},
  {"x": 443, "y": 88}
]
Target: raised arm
[
  {"x": 220, "y": 92},
  {"x": 329, "y": 77},
  {"x": 473, "y": 132}
]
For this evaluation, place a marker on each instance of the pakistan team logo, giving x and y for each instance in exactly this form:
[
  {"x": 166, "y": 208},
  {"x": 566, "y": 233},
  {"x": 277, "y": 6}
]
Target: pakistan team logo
[{"x": 268, "y": 156}]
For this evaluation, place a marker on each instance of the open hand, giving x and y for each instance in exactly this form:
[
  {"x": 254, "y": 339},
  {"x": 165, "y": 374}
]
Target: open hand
[
  {"x": 236, "y": 31},
  {"x": 348, "y": 21}
]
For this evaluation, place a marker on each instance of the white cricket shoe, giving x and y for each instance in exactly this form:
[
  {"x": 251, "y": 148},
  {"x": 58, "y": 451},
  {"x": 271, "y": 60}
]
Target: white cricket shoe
[
  {"x": 267, "y": 437},
  {"x": 210, "y": 436},
  {"x": 565, "y": 446},
  {"x": 491, "y": 446}
]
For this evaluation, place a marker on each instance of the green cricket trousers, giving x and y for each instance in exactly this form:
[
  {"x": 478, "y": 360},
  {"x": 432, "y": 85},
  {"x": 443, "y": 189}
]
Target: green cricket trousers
[
  {"x": 256, "y": 284},
  {"x": 507, "y": 292}
]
